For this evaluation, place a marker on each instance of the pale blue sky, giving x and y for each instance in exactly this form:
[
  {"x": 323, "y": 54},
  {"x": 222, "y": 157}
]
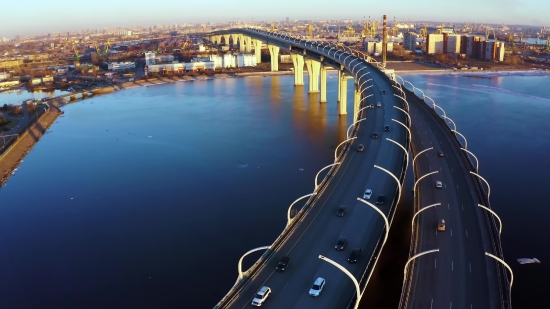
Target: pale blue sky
[{"x": 41, "y": 16}]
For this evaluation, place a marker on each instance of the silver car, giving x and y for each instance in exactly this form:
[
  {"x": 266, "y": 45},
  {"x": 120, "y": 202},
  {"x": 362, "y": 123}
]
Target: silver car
[
  {"x": 317, "y": 287},
  {"x": 261, "y": 296},
  {"x": 438, "y": 184},
  {"x": 367, "y": 194}
]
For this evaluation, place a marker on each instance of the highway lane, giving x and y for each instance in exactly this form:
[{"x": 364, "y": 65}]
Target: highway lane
[
  {"x": 320, "y": 228},
  {"x": 459, "y": 275}
]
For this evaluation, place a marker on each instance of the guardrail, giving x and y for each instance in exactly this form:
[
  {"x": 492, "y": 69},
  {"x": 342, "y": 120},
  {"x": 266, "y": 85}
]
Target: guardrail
[{"x": 490, "y": 220}]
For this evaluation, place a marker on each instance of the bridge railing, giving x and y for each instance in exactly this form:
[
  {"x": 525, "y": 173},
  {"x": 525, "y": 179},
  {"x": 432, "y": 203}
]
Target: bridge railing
[{"x": 503, "y": 280}]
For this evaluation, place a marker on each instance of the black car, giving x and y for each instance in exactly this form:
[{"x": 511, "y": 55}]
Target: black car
[
  {"x": 387, "y": 128},
  {"x": 440, "y": 154},
  {"x": 381, "y": 200},
  {"x": 354, "y": 255},
  {"x": 283, "y": 264},
  {"x": 360, "y": 148},
  {"x": 383, "y": 92},
  {"x": 341, "y": 244},
  {"x": 375, "y": 135},
  {"x": 341, "y": 211}
]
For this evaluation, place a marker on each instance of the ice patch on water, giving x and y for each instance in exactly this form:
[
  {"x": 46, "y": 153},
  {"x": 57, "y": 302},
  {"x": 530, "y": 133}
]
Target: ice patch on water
[{"x": 484, "y": 88}]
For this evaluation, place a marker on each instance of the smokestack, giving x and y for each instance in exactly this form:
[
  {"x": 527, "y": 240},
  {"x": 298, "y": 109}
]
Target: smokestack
[{"x": 384, "y": 42}]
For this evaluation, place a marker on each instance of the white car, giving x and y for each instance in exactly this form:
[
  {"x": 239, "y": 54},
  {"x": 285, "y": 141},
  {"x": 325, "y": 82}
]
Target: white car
[
  {"x": 317, "y": 287},
  {"x": 438, "y": 184},
  {"x": 367, "y": 194},
  {"x": 261, "y": 296},
  {"x": 379, "y": 104}
]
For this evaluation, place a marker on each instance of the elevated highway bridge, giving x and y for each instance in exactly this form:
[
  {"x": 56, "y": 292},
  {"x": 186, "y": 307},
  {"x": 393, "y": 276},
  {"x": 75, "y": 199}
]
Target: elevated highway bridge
[{"x": 310, "y": 236}]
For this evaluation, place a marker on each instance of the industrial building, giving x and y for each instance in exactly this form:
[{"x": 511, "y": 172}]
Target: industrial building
[
  {"x": 121, "y": 66},
  {"x": 210, "y": 63},
  {"x": 409, "y": 41},
  {"x": 376, "y": 47}
]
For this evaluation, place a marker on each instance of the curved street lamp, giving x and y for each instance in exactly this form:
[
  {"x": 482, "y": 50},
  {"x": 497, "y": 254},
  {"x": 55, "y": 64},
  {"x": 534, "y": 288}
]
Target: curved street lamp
[
  {"x": 504, "y": 263},
  {"x": 397, "y": 180},
  {"x": 404, "y": 100},
  {"x": 414, "y": 257},
  {"x": 324, "y": 168},
  {"x": 463, "y": 137},
  {"x": 416, "y": 182},
  {"x": 408, "y": 130},
  {"x": 421, "y": 210},
  {"x": 345, "y": 271},
  {"x": 454, "y": 125},
  {"x": 487, "y": 183},
  {"x": 383, "y": 216},
  {"x": 473, "y": 155},
  {"x": 494, "y": 214},
  {"x": 240, "y": 266},
  {"x": 404, "y": 111},
  {"x": 352, "y": 125},
  {"x": 368, "y": 80},
  {"x": 423, "y": 95},
  {"x": 336, "y": 150},
  {"x": 364, "y": 98},
  {"x": 444, "y": 114},
  {"x": 401, "y": 78},
  {"x": 414, "y": 159},
  {"x": 405, "y": 150},
  {"x": 288, "y": 218},
  {"x": 409, "y": 84}
]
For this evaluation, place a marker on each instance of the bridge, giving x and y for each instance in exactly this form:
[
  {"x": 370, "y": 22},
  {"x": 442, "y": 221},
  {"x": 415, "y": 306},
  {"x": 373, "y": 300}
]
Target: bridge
[{"x": 310, "y": 235}]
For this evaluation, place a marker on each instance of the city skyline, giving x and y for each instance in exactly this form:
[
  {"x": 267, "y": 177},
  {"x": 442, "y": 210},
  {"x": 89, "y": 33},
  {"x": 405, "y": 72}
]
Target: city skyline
[{"x": 62, "y": 15}]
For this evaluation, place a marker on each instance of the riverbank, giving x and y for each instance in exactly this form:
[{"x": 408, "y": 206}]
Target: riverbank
[{"x": 14, "y": 155}]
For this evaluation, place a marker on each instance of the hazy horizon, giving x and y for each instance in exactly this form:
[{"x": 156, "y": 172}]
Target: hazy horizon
[{"x": 41, "y": 17}]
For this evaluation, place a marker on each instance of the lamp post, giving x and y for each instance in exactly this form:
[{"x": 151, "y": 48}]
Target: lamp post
[
  {"x": 393, "y": 176},
  {"x": 345, "y": 271},
  {"x": 421, "y": 210},
  {"x": 506, "y": 265},
  {"x": 240, "y": 266},
  {"x": 454, "y": 125},
  {"x": 352, "y": 125},
  {"x": 406, "y": 113},
  {"x": 473, "y": 155},
  {"x": 463, "y": 137},
  {"x": 383, "y": 216},
  {"x": 406, "y": 103},
  {"x": 421, "y": 153},
  {"x": 494, "y": 214},
  {"x": 408, "y": 130},
  {"x": 486, "y": 182},
  {"x": 416, "y": 182},
  {"x": 401, "y": 146},
  {"x": 414, "y": 257},
  {"x": 324, "y": 168},
  {"x": 288, "y": 218},
  {"x": 336, "y": 150}
]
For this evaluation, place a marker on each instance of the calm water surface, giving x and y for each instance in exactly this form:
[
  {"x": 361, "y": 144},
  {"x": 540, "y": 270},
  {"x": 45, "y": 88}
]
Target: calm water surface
[{"x": 147, "y": 198}]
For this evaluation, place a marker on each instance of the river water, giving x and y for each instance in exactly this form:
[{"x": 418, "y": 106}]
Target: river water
[{"x": 146, "y": 198}]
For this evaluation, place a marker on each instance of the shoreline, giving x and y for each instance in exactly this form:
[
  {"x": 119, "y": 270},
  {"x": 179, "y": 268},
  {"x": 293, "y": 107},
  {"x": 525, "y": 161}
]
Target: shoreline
[{"x": 15, "y": 154}]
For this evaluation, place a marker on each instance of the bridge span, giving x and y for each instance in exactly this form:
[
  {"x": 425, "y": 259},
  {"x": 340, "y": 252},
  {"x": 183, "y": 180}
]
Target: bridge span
[
  {"x": 461, "y": 265},
  {"x": 316, "y": 228}
]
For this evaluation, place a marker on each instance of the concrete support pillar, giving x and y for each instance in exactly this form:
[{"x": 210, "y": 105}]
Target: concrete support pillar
[
  {"x": 323, "y": 84},
  {"x": 356, "y": 100},
  {"x": 274, "y": 52},
  {"x": 248, "y": 44},
  {"x": 339, "y": 85},
  {"x": 343, "y": 94},
  {"x": 258, "y": 50},
  {"x": 226, "y": 38},
  {"x": 242, "y": 44},
  {"x": 217, "y": 39},
  {"x": 313, "y": 68},
  {"x": 298, "y": 61}
]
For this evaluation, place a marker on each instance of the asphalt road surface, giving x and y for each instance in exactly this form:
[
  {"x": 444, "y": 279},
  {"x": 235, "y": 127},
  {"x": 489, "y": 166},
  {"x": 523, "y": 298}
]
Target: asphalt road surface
[
  {"x": 459, "y": 275},
  {"x": 320, "y": 227}
]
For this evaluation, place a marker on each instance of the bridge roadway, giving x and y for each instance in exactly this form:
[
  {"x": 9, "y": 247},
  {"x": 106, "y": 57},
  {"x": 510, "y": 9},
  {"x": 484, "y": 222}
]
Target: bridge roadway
[
  {"x": 320, "y": 228},
  {"x": 459, "y": 275}
]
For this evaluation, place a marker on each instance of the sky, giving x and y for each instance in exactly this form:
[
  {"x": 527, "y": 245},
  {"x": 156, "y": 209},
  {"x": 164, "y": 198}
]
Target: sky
[{"x": 30, "y": 17}]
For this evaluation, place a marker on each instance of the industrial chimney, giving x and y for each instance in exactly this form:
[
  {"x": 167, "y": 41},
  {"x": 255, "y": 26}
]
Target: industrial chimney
[{"x": 384, "y": 42}]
